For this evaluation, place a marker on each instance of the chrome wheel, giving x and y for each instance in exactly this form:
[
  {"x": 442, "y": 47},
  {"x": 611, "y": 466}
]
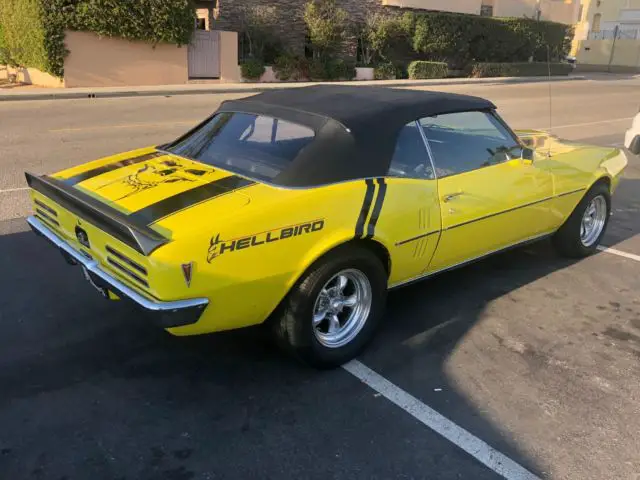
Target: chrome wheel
[
  {"x": 342, "y": 308},
  {"x": 593, "y": 221}
]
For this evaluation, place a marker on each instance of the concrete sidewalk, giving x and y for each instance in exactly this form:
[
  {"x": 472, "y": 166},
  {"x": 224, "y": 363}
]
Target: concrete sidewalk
[{"x": 230, "y": 88}]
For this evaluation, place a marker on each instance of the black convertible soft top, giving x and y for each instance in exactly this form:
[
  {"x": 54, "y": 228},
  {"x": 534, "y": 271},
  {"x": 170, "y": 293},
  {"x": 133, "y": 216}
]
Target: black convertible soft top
[{"x": 356, "y": 126}]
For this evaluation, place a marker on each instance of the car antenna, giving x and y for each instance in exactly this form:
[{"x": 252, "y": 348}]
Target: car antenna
[{"x": 550, "y": 104}]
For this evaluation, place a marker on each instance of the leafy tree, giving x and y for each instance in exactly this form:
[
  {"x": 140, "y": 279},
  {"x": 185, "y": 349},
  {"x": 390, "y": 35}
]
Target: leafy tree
[
  {"x": 260, "y": 40},
  {"x": 378, "y": 34},
  {"x": 327, "y": 26}
]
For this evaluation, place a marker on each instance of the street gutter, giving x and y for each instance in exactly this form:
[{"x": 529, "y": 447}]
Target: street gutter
[{"x": 208, "y": 89}]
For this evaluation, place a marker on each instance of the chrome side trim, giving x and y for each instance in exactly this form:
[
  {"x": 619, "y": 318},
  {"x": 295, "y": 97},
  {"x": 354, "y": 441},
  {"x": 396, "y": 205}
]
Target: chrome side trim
[
  {"x": 424, "y": 276},
  {"x": 570, "y": 193},
  {"x": 530, "y": 204},
  {"x": 93, "y": 267},
  {"x": 426, "y": 144},
  {"x": 418, "y": 237}
]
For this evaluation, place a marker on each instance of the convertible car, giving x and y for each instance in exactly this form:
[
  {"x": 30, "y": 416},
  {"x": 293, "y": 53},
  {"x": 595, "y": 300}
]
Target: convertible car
[{"x": 301, "y": 208}]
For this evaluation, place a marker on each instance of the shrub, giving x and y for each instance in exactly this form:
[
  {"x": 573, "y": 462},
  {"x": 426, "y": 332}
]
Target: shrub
[
  {"x": 252, "y": 69},
  {"x": 331, "y": 70},
  {"x": 340, "y": 70},
  {"x": 317, "y": 70},
  {"x": 385, "y": 71},
  {"x": 519, "y": 69},
  {"x": 423, "y": 70},
  {"x": 290, "y": 67}
]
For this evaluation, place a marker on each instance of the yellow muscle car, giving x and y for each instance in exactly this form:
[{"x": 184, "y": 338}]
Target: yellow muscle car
[{"x": 300, "y": 208}]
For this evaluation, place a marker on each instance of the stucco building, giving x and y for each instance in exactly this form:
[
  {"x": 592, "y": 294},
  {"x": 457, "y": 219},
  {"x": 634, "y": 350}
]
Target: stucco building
[{"x": 607, "y": 35}]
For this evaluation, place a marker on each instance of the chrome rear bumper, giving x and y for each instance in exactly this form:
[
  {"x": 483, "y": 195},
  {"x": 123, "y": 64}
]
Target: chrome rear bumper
[{"x": 165, "y": 314}]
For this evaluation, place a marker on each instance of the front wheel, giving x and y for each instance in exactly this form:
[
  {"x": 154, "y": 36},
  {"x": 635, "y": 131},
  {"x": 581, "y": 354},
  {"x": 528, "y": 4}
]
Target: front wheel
[
  {"x": 334, "y": 310},
  {"x": 582, "y": 232}
]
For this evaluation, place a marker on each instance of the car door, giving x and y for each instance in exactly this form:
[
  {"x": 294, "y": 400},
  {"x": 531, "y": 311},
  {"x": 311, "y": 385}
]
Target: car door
[
  {"x": 410, "y": 215},
  {"x": 490, "y": 196}
]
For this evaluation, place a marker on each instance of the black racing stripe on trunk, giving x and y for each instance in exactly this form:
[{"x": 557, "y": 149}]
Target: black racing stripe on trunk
[
  {"x": 377, "y": 208},
  {"x": 171, "y": 205},
  {"x": 81, "y": 177},
  {"x": 364, "y": 211}
]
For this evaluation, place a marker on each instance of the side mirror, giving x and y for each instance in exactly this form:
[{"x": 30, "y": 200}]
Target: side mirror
[{"x": 527, "y": 154}]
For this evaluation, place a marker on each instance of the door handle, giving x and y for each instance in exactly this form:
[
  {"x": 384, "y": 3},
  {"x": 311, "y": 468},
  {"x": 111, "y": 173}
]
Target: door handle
[{"x": 451, "y": 196}]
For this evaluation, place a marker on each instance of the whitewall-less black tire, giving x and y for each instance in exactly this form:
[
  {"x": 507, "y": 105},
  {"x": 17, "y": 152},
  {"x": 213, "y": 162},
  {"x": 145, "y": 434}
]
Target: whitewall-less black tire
[
  {"x": 582, "y": 232},
  {"x": 334, "y": 310}
]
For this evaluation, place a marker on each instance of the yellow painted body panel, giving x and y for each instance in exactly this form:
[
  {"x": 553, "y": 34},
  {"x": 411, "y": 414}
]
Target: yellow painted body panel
[
  {"x": 507, "y": 198},
  {"x": 250, "y": 246}
]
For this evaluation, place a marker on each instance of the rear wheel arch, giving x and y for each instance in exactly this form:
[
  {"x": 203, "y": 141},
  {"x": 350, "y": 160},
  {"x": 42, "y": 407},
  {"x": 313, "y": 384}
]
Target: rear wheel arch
[
  {"x": 377, "y": 248},
  {"x": 374, "y": 246}
]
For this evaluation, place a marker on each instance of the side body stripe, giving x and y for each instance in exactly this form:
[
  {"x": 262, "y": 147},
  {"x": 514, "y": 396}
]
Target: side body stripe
[
  {"x": 377, "y": 208},
  {"x": 366, "y": 206}
]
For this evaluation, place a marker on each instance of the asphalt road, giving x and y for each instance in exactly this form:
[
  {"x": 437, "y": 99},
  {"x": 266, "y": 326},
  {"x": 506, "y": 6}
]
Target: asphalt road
[{"x": 536, "y": 355}]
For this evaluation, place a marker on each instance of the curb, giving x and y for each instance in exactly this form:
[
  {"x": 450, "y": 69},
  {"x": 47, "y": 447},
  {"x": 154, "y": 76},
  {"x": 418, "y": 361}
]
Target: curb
[{"x": 256, "y": 88}]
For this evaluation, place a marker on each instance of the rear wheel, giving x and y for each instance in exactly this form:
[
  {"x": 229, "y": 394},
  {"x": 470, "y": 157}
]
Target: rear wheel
[
  {"x": 582, "y": 232},
  {"x": 334, "y": 310}
]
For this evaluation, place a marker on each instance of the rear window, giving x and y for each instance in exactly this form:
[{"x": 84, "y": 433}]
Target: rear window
[{"x": 253, "y": 145}]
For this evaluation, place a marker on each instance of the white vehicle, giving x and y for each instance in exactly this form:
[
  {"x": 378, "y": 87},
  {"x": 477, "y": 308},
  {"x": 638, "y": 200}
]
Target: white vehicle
[{"x": 632, "y": 137}]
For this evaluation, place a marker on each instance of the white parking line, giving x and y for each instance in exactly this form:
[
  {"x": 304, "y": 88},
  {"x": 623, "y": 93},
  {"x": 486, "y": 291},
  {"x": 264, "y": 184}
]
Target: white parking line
[
  {"x": 475, "y": 447},
  {"x": 620, "y": 253},
  {"x": 9, "y": 190},
  {"x": 572, "y": 125}
]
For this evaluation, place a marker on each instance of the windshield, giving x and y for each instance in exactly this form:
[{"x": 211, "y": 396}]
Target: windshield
[{"x": 257, "y": 146}]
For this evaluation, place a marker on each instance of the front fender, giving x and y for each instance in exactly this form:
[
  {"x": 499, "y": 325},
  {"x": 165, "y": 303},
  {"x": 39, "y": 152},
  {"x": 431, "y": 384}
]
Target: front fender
[{"x": 612, "y": 168}]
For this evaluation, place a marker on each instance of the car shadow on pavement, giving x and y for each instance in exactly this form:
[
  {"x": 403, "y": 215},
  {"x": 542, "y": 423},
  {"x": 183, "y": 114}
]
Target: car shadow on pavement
[
  {"x": 625, "y": 222},
  {"x": 90, "y": 388}
]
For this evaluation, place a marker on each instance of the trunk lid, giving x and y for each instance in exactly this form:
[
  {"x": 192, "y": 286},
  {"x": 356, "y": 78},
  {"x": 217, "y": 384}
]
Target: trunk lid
[
  {"x": 136, "y": 181},
  {"x": 114, "y": 210}
]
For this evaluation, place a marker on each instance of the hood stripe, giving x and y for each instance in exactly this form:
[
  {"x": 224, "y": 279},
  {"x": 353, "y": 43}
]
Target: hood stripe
[
  {"x": 110, "y": 167},
  {"x": 171, "y": 205}
]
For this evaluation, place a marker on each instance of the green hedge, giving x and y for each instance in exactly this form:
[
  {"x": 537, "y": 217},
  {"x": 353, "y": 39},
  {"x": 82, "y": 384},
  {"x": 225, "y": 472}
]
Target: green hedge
[
  {"x": 519, "y": 69},
  {"x": 252, "y": 69},
  {"x": 331, "y": 70},
  {"x": 385, "y": 71},
  {"x": 290, "y": 67},
  {"x": 34, "y": 29},
  {"x": 462, "y": 39},
  {"x": 23, "y": 35},
  {"x": 421, "y": 70},
  {"x": 155, "y": 21},
  {"x": 4, "y": 57}
]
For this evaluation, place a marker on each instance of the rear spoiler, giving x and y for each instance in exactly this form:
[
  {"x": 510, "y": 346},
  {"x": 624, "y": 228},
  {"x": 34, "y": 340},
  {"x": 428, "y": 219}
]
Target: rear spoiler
[{"x": 138, "y": 236}]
